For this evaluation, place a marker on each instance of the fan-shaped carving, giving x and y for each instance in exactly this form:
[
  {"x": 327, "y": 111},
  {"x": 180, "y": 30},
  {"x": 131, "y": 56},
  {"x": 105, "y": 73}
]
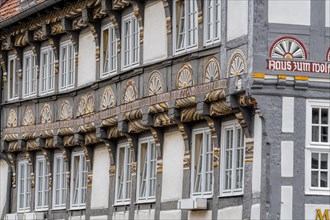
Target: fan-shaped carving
[
  {"x": 81, "y": 106},
  {"x": 45, "y": 114},
  {"x": 237, "y": 63},
  {"x": 108, "y": 98},
  {"x": 155, "y": 85},
  {"x": 328, "y": 55},
  {"x": 289, "y": 48},
  {"x": 28, "y": 118},
  {"x": 12, "y": 119},
  {"x": 185, "y": 77},
  {"x": 212, "y": 70},
  {"x": 130, "y": 92},
  {"x": 66, "y": 110},
  {"x": 90, "y": 103}
]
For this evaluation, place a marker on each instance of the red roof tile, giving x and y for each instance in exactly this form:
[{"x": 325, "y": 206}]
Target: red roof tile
[{"x": 12, "y": 7}]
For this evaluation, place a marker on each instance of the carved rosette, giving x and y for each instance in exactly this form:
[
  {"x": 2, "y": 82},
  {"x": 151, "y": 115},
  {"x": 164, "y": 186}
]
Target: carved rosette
[
  {"x": 45, "y": 114},
  {"x": 28, "y": 118},
  {"x": 237, "y": 64},
  {"x": 86, "y": 104},
  {"x": 155, "y": 84},
  {"x": 212, "y": 71},
  {"x": 130, "y": 92},
  {"x": 185, "y": 77},
  {"x": 108, "y": 98},
  {"x": 12, "y": 119},
  {"x": 288, "y": 48},
  {"x": 66, "y": 110}
]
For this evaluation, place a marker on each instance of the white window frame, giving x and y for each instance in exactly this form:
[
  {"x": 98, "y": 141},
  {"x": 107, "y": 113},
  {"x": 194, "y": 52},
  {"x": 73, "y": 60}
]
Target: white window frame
[
  {"x": 233, "y": 191},
  {"x": 49, "y": 74},
  {"x": 128, "y": 41},
  {"x": 150, "y": 162},
  {"x": 60, "y": 177},
  {"x": 111, "y": 51},
  {"x": 41, "y": 184},
  {"x": 29, "y": 75},
  {"x": 82, "y": 181},
  {"x": 187, "y": 33},
  {"x": 12, "y": 82},
  {"x": 206, "y": 139},
  {"x": 125, "y": 174},
  {"x": 26, "y": 193},
  {"x": 213, "y": 22},
  {"x": 315, "y": 147},
  {"x": 68, "y": 70}
]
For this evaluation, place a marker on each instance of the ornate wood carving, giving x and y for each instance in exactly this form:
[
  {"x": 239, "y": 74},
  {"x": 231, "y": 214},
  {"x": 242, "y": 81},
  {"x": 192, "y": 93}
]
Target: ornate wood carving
[
  {"x": 12, "y": 119},
  {"x": 66, "y": 110},
  {"x": 237, "y": 63},
  {"x": 12, "y": 162},
  {"x": 130, "y": 92},
  {"x": 45, "y": 114},
  {"x": 155, "y": 84},
  {"x": 108, "y": 99},
  {"x": 212, "y": 70},
  {"x": 185, "y": 77},
  {"x": 28, "y": 118},
  {"x": 86, "y": 104},
  {"x": 219, "y": 108}
]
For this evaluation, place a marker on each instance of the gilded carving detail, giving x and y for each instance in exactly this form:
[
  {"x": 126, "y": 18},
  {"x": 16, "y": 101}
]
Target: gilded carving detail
[
  {"x": 13, "y": 146},
  {"x": 130, "y": 92},
  {"x": 237, "y": 63},
  {"x": 158, "y": 108},
  {"x": 212, "y": 71},
  {"x": 28, "y": 118},
  {"x": 134, "y": 114},
  {"x": 45, "y": 114},
  {"x": 215, "y": 95},
  {"x": 86, "y": 104},
  {"x": 155, "y": 84},
  {"x": 190, "y": 114},
  {"x": 12, "y": 119},
  {"x": 185, "y": 77},
  {"x": 245, "y": 101},
  {"x": 108, "y": 98},
  {"x": 136, "y": 126},
  {"x": 66, "y": 110},
  {"x": 185, "y": 102},
  {"x": 109, "y": 122},
  {"x": 162, "y": 120},
  {"x": 219, "y": 108}
]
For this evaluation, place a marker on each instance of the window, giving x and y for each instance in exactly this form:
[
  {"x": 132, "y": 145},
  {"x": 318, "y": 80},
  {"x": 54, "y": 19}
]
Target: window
[
  {"x": 12, "y": 78},
  {"x": 47, "y": 68},
  {"x": 42, "y": 179},
  {"x": 109, "y": 51},
  {"x": 212, "y": 22},
  {"x": 78, "y": 180},
  {"x": 131, "y": 43},
  {"x": 29, "y": 75},
  {"x": 186, "y": 24},
  {"x": 202, "y": 166},
  {"x": 232, "y": 160},
  {"x": 67, "y": 65},
  {"x": 59, "y": 183},
  {"x": 317, "y": 176},
  {"x": 24, "y": 186},
  {"x": 147, "y": 170},
  {"x": 124, "y": 174}
]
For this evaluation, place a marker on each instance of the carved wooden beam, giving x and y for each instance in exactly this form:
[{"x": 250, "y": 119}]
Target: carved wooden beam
[
  {"x": 12, "y": 162},
  {"x": 30, "y": 158}
]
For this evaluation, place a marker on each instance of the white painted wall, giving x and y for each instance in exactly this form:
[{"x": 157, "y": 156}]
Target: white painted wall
[
  {"x": 289, "y": 12},
  {"x": 173, "y": 215},
  {"x": 120, "y": 215},
  {"x": 256, "y": 169},
  {"x": 200, "y": 215},
  {"x": 237, "y": 18},
  {"x": 86, "y": 59},
  {"x": 228, "y": 213},
  {"x": 144, "y": 214},
  {"x": 102, "y": 217},
  {"x": 286, "y": 202},
  {"x": 311, "y": 210},
  {"x": 287, "y": 158},
  {"x": 255, "y": 211},
  {"x": 100, "y": 185},
  {"x": 3, "y": 184},
  {"x": 172, "y": 166},
  {"x": 155, "y": 36},
  {"x": 327, "y": 13},
  {"x": 288, "y": 114},
  {"x": 77, "y": 217}
]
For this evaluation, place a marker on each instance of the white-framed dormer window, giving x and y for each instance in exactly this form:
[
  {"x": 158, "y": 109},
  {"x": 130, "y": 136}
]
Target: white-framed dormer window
[
  {"x": 42, "y": 179},
  {"x": 29, "y": 75},
  {"x": 130, "y": 42},
  {"x": 108, "y": 51},
  {"x": 24, "y": 186},
  {"x": 67, "y": 66},
  {"x": 317, "y": 151},
  {"x": 47, "y": 71},
  {"x": 147, "y": 170},
  {"x": 212, "y": 21},
  {"x": 12, "y": 78},
  {"x": 185, "y": 23},
  {"x": 202, "y": 164},
  {"x": 232, "y": 159},
  {"x": 78, "y": 180},
  {"x": 124, "y": 174},
  {"x": 59, "y": 182}
]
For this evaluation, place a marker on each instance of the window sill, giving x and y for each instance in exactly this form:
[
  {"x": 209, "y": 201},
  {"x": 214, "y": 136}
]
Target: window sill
[
  {"x": 23, "y": 211},
  {"x": 145, "y": 202},
  {"x": 231, "y": 195},
  {"x": 58, "y": 209},
  {"x": 41, "y": 210},
  {"x": 201, "y": 196},
  {"x": 318, "y": 192},
  {"x": 122, "y": 204},
  {"x": 77, "y": 208}
]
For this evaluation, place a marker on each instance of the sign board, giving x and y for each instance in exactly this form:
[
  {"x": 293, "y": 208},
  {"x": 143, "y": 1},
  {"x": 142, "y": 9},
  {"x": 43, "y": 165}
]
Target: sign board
[{"x": 298, "y": 66}]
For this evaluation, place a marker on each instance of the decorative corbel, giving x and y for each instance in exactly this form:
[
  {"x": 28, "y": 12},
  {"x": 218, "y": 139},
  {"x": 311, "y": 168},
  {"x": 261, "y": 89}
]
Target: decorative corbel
[
  {"x": 18, "y": 51},
  {"x": 35, "y": 48},
  {"x": 74, "y": 35},
  {"x": 12, "y": 163},
  {"x": 49, "y": 161},
  {"x": 3, "y": 64},
  {"x": 168, "y": 8},
  {"x": 29, "y": 157},
  {"x": 95, "y": 28},
  {"x": 158, "y": 135},
  {"x": 200, "y": 12},
  {"x": 138, "y": 10}
]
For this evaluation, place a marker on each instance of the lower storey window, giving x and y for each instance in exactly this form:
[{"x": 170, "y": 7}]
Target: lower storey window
[
  {"x": 59, "y": 182},
  {"x": 41, "y": 183},
  {"x": 320, "y": 170},
  {"x": 24, "y": 186},
  {"x": 78, "y": 180},
  {"x": 232, "y": 160}
]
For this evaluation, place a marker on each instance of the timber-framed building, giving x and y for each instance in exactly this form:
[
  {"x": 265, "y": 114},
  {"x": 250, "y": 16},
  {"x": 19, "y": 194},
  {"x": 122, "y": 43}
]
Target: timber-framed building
[{"x": 164, "y": 109}]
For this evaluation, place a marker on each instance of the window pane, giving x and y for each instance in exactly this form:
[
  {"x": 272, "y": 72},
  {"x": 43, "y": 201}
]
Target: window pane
[
  {"x": 315, "y": 160},
  {"x": 198, "y": 162},
  {"x": 324, "y": 116},
  {"x": 324, "y": 134},
  {"x": 105, "y": 50},
  {"x": 315, "y": 133},
  {"x": 315, "y": 116},
  {"x": 324, "y": 179},
  {"x": 324, "y": 161},
  {"x": 143, "y": 169}
]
